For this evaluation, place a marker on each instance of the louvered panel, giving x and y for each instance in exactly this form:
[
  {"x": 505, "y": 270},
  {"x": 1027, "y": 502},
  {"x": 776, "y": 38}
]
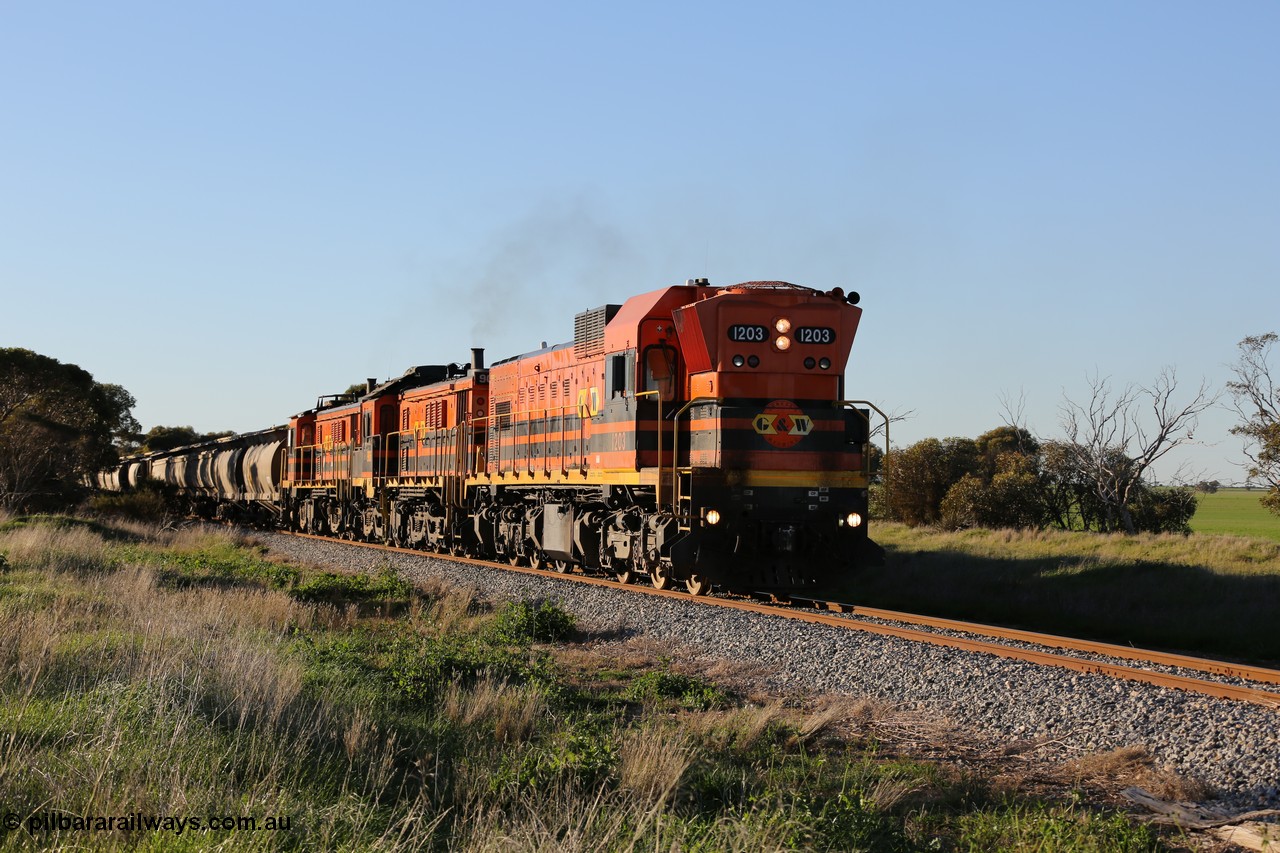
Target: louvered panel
[{"x": 588, "y": 330}]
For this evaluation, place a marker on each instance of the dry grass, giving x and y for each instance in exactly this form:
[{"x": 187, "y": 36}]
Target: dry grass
[
  {"x": 122, "y": 627},
  {"x": 1134, "y": 766},
  {"x": 193, "y": 538},
  {"x": 140, "y": 694},
  {"x": 1219, "y": 553},
  {"x": 566, "y": 820},
  {"x": 41, "y": 547},
  {"x": 652, "y": 760},
  {"x": 454, "y": 608},
  {"x": 510, "y": 712},
  {"x": 844, "y": 716},
  {"x": 750, "y": 724}
]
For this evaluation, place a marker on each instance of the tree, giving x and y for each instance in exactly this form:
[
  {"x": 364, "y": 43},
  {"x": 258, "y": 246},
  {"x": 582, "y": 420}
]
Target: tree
[
  {"x": 168, "y": 437},
  {"x": 1003, "y": 489},
  {"x": 1256, "y": 400},
  {"x": 1003, "y": 440},
  {"x": 356, "y": 391},
  {"x": 1067, "y": 497},
  {"x": 57, "y": 426},
  {"x": 1111, "y": 446},
  {"x": 918, "y": 477}
]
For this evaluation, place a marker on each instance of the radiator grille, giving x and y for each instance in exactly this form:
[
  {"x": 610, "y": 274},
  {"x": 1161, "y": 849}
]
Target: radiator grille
[{"x": 588, "y": 330}]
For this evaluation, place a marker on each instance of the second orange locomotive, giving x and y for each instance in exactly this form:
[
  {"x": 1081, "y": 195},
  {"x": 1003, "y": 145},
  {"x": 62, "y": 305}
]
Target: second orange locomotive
[{"x": 693, "y": 434}]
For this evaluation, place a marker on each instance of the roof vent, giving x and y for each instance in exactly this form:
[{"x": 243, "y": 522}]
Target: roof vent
[{"x": 588, "y": 330}]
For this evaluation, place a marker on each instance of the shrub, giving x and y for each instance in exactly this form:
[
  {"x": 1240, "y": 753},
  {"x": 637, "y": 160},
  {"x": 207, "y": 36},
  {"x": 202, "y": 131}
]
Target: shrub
[
  {"x": 524, "y": 622},
  {"x": 423, "y": 667},
  {"x": 1013, "y": 500},
  {"x": 145, "y": 504},
  {"x": 965, "y": 504},
  {"x": 334, "y": 588},
  {"x": 689, "y": 690},
  {"x": 1164, "y": 510}
]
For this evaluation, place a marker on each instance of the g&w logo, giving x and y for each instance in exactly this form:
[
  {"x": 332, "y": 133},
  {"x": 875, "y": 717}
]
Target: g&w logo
[{"x": 782, "y": 423}]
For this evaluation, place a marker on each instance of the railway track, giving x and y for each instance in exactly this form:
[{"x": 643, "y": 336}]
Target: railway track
[{"x": 1003, "y": 642}]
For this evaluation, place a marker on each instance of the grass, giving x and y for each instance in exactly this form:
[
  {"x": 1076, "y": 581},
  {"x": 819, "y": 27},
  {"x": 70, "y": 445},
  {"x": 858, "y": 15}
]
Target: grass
[
  {"x": 1208, "y": 594},
  {"x": 1235, "y": 512},
  {"x": 184, "y": 674}
]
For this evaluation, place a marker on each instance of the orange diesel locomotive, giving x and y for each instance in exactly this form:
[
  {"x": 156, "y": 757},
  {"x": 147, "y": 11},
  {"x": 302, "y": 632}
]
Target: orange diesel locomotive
[{"x": 692, "y": 435}]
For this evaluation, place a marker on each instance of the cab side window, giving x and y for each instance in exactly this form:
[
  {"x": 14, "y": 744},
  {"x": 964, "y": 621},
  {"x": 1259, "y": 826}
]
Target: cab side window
[{"x": 660, "y": 371}]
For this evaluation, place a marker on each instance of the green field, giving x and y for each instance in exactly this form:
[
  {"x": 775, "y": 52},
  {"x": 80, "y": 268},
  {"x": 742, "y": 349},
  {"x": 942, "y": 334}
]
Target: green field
[{"x": 1235, "y": 512}]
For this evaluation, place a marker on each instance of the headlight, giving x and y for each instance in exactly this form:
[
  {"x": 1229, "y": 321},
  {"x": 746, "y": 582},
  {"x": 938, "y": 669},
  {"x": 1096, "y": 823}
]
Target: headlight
[
  {"x": 853, "y": 519},
  {"x": 783, "y": 325},
  {"x": 783, "y": 343},
  {"x": 738, "y": 361},
  {"x": 712, "y": 516}
]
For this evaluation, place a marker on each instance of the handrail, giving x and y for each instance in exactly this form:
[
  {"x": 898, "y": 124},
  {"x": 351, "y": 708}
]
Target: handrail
[
  {"x": 675, "y": 441},
  {"x": 530, "y": 416},
  {"x": 523, "y": 418},
  {"x": 850, "y": 403}
]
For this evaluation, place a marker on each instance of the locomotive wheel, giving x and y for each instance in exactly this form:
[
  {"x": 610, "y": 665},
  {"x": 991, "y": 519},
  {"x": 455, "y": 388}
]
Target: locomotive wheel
[
  {"x": 514, "y": 558},
  {"x": 624, "y": 577},
  {"x": 697, "y": 585},
  {"x": 660, "y": 577},
  {"x": 560, "y": 566}
]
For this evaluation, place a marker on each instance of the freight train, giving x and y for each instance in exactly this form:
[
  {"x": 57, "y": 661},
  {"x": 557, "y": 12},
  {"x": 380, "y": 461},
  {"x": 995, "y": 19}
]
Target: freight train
[{"x": 692, "y": 435}]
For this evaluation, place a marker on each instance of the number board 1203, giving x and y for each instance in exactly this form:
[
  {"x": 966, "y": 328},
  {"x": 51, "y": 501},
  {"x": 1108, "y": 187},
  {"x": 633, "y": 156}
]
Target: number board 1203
[
  {"x": 815, "y": 335},
  {"x": 747, "y": 333}
]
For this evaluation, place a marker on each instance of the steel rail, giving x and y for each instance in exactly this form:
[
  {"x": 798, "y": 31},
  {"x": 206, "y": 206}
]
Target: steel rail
[
  {"x": 815, "y": 616},
  {"x": 1208, "y": 665}
]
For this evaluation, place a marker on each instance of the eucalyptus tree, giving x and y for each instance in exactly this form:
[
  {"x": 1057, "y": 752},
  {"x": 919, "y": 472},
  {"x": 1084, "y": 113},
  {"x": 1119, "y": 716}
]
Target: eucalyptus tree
[
  {"x": 1256, "y": 399},
  {"x": 1114, "y": 439},
  {"x": 57, "y": 426}
]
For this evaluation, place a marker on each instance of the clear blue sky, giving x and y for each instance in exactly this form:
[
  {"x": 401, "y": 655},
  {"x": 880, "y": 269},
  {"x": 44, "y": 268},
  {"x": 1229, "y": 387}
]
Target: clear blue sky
[{"x": 230, "y": 208}]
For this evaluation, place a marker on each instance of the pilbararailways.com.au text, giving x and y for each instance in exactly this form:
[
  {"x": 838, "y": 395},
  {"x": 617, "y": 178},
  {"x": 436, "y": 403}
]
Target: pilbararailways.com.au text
[{"x": 56, "y": 821}]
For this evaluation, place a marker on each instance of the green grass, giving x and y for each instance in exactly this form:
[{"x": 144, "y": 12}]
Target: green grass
[
  {"x": 1056, "y": 828},
  {"x": 1235, "y": 512},
  {"x": 1213, "y": 595},
  {"x": 185, "y": 674}
]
